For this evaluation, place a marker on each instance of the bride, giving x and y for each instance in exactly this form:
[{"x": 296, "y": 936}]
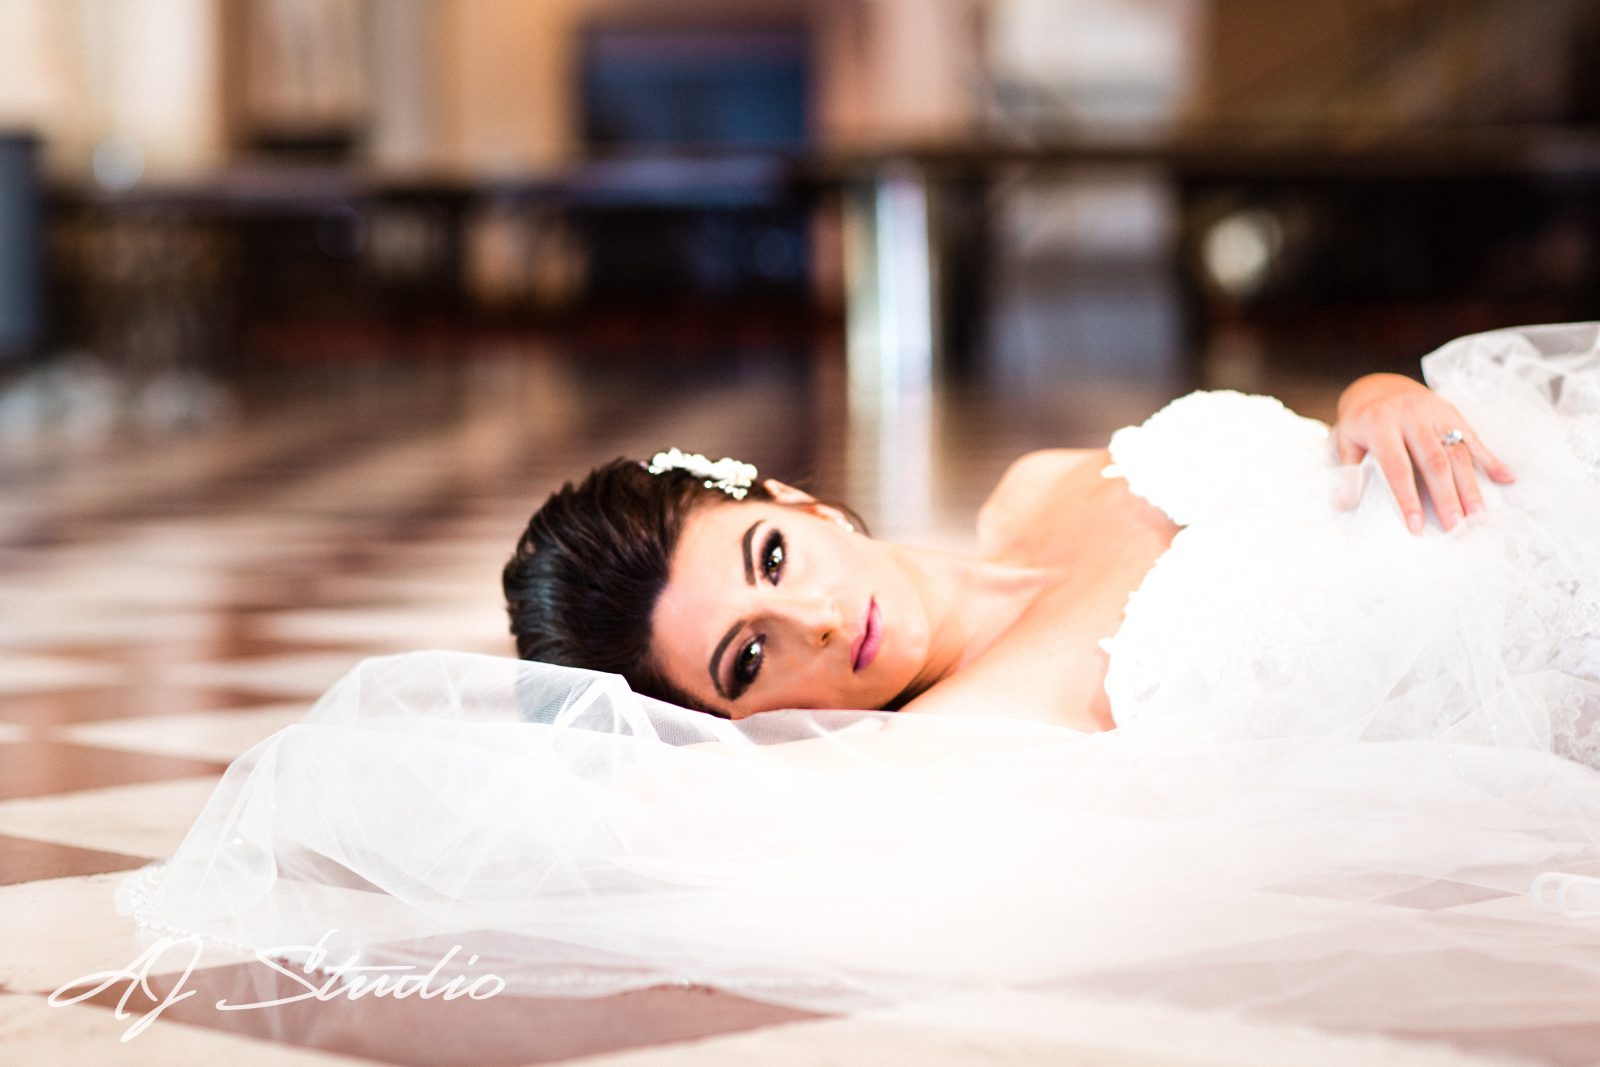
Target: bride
[
  {"x": 711, "y": 590},
  {"x": 1241, "y": 713}
]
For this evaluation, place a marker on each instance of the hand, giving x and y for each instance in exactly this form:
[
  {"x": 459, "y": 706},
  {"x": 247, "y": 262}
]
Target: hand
[{"x": 1404, "y": 423}]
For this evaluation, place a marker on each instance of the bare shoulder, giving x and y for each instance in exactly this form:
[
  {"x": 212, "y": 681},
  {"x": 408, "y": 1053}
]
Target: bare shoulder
[
  {"x": 1031, "y": 478},
  {"x": 1008, "y": 685}
]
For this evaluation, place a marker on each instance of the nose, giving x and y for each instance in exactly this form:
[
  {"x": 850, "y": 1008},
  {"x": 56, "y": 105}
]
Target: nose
[{"x": 815, "y": 615}]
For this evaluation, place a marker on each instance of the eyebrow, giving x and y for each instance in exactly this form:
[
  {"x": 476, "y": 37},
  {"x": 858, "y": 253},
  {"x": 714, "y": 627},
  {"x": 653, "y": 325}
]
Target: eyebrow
[
  {"x": 749, "y": 579},
  {"x": 749, "y": 561}
]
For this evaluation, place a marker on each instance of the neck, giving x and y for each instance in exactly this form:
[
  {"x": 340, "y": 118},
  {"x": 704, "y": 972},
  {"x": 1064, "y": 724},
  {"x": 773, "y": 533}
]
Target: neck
[{"x": 970, "y": 603}]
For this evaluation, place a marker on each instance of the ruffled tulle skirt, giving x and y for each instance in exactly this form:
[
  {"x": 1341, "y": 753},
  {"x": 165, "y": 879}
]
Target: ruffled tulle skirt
[{"x": 578, "y": 839}]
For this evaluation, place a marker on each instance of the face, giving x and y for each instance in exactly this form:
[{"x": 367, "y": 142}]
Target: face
[{"x": 784, "y": 606}]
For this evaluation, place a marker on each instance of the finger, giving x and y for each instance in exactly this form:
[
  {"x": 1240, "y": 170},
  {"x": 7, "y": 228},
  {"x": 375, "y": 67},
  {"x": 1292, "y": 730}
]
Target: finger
[
  {"x": 1432, "y": 458},
  {"x": 1466, "y": 478},
  {"x": 1489, "y": 461},
  {"x": 1348, "y": 493},
  {"x": 1395, "y": 462},
  {"x": 1349, "y": 451}
]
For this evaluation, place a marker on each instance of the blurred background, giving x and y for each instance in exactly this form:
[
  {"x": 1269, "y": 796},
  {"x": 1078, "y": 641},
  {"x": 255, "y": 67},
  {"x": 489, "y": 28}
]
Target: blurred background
[{"x": 445, "y": 254}]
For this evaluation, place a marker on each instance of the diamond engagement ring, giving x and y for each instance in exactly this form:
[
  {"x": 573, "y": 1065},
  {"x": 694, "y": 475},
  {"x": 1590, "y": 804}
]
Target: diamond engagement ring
[{"x": 1453, "y": 437}]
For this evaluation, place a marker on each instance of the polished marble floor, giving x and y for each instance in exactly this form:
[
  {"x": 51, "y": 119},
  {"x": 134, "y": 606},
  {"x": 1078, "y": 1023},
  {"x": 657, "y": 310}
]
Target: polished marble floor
[{"x": 169, "y": 598}]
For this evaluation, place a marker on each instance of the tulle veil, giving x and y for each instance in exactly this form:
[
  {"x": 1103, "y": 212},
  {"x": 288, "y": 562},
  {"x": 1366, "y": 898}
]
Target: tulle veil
[{"x": 575, "y": 838}]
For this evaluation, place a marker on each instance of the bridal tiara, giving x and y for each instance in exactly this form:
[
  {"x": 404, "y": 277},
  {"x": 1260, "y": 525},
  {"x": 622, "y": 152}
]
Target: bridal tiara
[{"x": 729, "y": 475}]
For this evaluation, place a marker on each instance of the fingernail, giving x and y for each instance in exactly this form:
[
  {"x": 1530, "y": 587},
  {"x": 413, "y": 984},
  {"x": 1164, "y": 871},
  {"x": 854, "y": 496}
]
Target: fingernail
[
  {"x": 1414, "y": 523},
  {"x": 1474, "y": 507}
]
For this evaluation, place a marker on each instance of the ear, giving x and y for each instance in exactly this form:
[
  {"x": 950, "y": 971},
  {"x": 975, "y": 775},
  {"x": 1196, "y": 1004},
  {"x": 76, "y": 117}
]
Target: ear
[
  {"x": 799, "y": 498},
  {"x": 832, "y": 514},
  {"x": 788, "y": 494}
]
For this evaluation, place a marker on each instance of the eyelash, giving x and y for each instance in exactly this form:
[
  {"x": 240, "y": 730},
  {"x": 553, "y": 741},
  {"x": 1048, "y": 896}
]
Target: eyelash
[{"x": 774, "y": 555}]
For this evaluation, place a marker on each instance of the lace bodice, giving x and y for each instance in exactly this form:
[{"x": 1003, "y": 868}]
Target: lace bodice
[
  {"x": 1210, "y": 454},
  {"x": 1277, "y": 613}
]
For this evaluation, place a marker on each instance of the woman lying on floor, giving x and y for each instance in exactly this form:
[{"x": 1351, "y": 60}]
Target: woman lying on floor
[{"x": 1242, "y": 711}]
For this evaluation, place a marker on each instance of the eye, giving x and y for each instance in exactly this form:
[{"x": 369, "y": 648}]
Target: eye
[
  {"x": 748, "y": 664},
  {"x": 773, "y": 554}
]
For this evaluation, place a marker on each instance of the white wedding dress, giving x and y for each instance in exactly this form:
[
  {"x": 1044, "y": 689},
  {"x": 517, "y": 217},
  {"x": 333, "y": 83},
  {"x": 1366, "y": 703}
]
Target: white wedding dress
[{"x": 1353, "y": 786}]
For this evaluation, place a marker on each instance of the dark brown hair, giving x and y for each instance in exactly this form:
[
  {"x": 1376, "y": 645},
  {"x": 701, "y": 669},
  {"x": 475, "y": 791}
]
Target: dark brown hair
[{"x": 582, "y": 585}]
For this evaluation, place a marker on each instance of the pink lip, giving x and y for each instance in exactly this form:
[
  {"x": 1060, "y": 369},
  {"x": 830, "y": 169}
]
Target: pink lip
[{"x": 871, "y": 638}]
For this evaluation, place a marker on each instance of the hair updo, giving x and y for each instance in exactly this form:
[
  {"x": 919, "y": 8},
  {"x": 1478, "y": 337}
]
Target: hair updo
[{"x": 582, "y": 586}]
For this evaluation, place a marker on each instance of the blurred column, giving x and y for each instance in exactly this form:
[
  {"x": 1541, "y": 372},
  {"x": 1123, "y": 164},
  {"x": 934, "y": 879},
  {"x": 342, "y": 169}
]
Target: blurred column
[
  {"x": 405, "y": 126},
  {"x": 40, "y": 91},
  {"x": 156, "y": 69},
  {"x": 924, "y": 66},
  {"x": 125, "y": 88},
  {"x": 507, "y": 86}
]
